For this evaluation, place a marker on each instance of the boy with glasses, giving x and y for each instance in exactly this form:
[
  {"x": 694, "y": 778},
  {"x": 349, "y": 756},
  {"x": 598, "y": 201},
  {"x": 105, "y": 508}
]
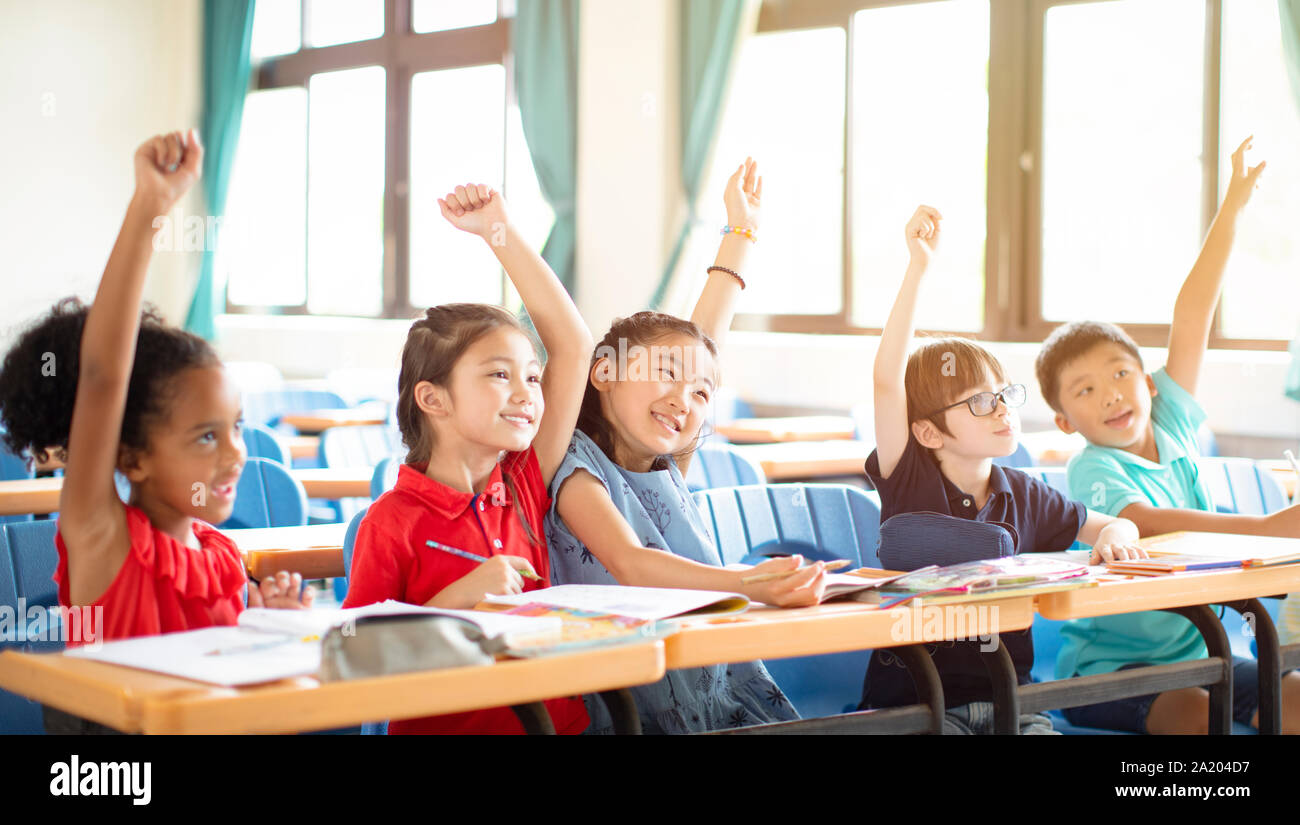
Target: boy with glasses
[
  {"x": 942, "y": 415},
  {"x": 1140, "y": 463}
]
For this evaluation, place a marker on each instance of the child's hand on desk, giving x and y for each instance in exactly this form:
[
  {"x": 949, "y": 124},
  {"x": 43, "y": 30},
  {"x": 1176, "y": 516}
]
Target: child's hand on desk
[
  {"x": 922, "y": 234},
  {"x": 800, "y": 589},
  {"x": 498, "y": 576},
  {"x": 283, "y": 590},
  {"x": 475, "y": 208},
  {"x": 744, "y": 195},
  {"x": 166, "y": 166},
  {"x": 1243, "y": 180},
  {"x": 1115, "y": 545}
]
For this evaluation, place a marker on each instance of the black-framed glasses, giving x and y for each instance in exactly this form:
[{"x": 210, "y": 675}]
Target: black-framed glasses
[{"x": 984, "y": 403}]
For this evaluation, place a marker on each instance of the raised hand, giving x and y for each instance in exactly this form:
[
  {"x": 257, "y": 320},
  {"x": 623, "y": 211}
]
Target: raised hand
[
  {"x": 922, "y": 233},
  {"x": 166, "y": 166},
  {"x": 744, "y": 195},
  {"x": 1244, "y": 180},
  {"x": 475, "y": 208}
]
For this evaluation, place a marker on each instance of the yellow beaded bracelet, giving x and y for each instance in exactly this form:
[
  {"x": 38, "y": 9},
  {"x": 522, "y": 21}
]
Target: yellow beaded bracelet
[{"x": 741, "y": 230}]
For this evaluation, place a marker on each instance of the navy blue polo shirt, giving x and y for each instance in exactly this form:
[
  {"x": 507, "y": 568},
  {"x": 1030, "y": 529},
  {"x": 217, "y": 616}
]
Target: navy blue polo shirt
[{"x": 1044, "y": 521}]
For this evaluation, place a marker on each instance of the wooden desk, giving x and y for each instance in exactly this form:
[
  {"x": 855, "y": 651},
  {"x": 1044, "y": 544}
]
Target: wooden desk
[
  {"x": 303, "y": 446},
  {"x": 798, "y": 428},
  {"x": 1189, "y": 594},
  {"x": 41, "y": 495},
  {"x": 335, "y": 482},
  {"x": 314, "y": 552},
  {"x": 809, "y": 459},
  {"x": 137, "y": 701},
  {"x": 776, "y": 633},
  {"x": 30, "y": 495},
  {"x": 1284, "y": 474},
  {"x": 314, "y": 421}
]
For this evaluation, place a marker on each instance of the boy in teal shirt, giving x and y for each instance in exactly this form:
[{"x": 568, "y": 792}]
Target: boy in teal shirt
[{"x": 1140, "y": 463}]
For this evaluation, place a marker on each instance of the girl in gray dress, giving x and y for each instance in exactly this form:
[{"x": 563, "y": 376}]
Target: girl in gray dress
[{"x": 622, "y": 514}]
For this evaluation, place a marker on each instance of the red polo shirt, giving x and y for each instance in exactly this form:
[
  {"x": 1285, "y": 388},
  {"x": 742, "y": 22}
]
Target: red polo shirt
[{"x": 391, "y": 561}]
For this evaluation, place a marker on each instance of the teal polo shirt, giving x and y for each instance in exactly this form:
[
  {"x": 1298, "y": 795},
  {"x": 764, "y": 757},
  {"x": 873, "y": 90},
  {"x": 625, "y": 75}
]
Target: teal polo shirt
[{"x": 1107, "y": 480}]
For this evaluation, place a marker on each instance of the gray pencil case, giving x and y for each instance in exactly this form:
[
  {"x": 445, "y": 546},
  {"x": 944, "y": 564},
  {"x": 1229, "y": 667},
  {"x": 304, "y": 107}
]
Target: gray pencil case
[{"x": 385, "y": 645}]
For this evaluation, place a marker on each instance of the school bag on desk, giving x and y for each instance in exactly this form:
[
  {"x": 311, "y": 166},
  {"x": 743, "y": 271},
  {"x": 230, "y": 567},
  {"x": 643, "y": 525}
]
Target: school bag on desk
[{"x": 909, "y": 541}]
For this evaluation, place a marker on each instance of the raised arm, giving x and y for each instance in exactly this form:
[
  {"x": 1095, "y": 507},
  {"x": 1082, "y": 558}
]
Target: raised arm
[
  {"x": 594, "y": 520},
  {"x": 717, "y": 304},
  {"x": 890, "y": 398},
  {"x": 91, "y": 518},
  {"x": 482, "y": 211},
  {"x": 1194, "y": 310}
]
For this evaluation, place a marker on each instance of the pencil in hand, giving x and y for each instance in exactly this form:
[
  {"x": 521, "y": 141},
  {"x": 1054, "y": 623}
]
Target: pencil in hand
[{"x": 475, "y": 557}]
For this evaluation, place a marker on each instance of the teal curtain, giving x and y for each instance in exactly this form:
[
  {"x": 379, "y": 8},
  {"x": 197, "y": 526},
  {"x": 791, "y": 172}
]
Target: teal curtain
[
  {"x": 227, "y": 33},
  {"x": 709, "y": 32},
  {"x": 546, "y": 82},
  {"x": 1289, "y": 14}
]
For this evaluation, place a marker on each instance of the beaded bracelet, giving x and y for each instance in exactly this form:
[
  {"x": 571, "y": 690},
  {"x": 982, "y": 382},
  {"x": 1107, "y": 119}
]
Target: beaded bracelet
[
  {"x": 733, "y": 273},
  {"x": 741, "y": 230}
]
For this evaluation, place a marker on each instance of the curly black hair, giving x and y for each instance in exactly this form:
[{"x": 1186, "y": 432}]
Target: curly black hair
[{"x": 38, "y": 379}]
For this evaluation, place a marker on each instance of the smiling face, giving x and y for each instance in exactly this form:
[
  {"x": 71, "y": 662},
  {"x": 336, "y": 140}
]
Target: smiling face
[
  {"x": 1106, "y": 396},
  {"x": 194, "y": 456},
  {"x": 493, "y": 398},
  {"x": 974, "y": 436},
  {"x": 657, "y": 402}
]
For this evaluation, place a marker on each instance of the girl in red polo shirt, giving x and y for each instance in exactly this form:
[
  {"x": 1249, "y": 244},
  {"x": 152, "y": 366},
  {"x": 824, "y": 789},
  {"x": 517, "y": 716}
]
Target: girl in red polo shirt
[
  {"x": 108, "y": 388},
  {"x": 481, "y": 454}
]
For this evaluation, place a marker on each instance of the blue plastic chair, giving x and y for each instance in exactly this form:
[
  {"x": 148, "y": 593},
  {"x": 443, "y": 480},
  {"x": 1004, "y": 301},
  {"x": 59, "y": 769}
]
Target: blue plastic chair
[
  {"x": 363, "y": 446},
  {"x": 349, "y": 541},
  {"x": 13, "y": 468},
  {"x": 1019, "y": 459},
  {"x": 822, "y": 521},
  {"x": 27, "y": 563},
  {"x": 720, "y": 465},
  {"x": 267, "y": 496},
  {"x": 385, "y": 477},
  {"x": 262, "y": 442},
  {"x": 264, "y": 407}
]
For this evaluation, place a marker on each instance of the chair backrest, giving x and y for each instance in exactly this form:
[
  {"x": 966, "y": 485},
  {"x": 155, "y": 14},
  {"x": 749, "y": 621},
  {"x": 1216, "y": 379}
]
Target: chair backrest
[
  {"x": 267, "y": 496},
  {"x": 13, "y": 468},
  {"x": 349, "y": 541},
  {"x": 385, "y": 477},
  {"x": 264, "y": 407},
  {"x": 262, "y": 442},
  {"x": 1239, "y": 485},
  {"x": 27, "y": 563},
  {"x": 1053, "y": 477},
  {"x": 361, "y": 446},
  {"x": 826, "y": 521},
  {"x": 720, "y": 465},
  {"x": 1019, "y": 459},
  {"x": 841, "y": 522}
]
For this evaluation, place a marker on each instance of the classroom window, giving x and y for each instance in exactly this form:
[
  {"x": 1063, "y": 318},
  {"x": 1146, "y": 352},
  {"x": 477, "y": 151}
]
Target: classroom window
[
  {"x": 343, "y": 152},
  {"x": 1077, "y": 148}
]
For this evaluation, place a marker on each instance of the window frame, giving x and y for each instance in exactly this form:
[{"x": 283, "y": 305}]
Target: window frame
[
  {"x": 1013, "y": 276},
  {"x": 402, "y": 53}
]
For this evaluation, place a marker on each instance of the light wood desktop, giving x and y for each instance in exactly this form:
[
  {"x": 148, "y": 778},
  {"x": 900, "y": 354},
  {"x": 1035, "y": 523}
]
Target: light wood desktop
[{"x": 137, "y": 701}]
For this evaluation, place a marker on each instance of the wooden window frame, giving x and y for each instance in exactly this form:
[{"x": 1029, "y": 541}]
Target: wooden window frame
[
  {"x": 402, "y": 53},
  {"x": 1013, "y": 276}
]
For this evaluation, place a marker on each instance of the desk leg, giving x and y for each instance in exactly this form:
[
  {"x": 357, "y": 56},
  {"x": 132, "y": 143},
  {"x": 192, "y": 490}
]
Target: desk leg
[
  {"x": 1216, "y": 644},
  {"x": 1270, "y": 663},
  {"x": 622, "y": 710},
  {"x": 535, "y": 718},
  {"x": 925, "y": 678},
  {"x": 1005, "y": 688}
]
